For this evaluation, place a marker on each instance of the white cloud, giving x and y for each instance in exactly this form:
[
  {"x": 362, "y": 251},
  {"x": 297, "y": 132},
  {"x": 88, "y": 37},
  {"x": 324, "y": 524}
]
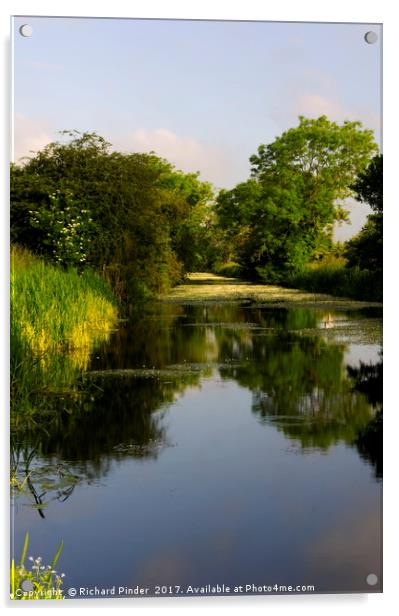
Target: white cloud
[
  {"x": 29, "y": 136},
  {"x": 315, "y": 105},
  {"x": 314, "y": 93},
  {"x": 214, "y": 163}
]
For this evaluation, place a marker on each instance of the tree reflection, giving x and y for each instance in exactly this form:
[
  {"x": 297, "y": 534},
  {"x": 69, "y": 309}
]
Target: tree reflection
[
  {"x": 299, "y": 385},
  {"x": 297, "y": 376},
  {"x": 367, "y": 379}
]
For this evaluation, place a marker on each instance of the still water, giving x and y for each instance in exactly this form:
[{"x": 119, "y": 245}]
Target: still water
[{"x": 215, "y": 444}]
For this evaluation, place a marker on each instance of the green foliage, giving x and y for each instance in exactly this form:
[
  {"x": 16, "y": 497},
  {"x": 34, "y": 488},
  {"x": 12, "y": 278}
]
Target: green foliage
[
  {"x": 365, "y": 250},
  {"x": 55, "y": 308},
  {"x": 369, "y": 185},
  {"x": 340, "y": 281},
  {"x": 65, "y": 228},
  {"x": 191, "y": 219},
  {"x": 321, "y": 152},
  {"x": 42, "y": 582},
  {"x": 52, "y": 311},
  {"x": 228, "y": 269},
  {"x": 132, "y": 217},
  {"x": 357, "y": 270},
  {"x": 283, "y": 216}
]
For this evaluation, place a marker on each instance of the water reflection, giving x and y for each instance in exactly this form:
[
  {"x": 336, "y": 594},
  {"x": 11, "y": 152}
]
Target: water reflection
[
  {"x": 368, "y": 380},
  {"x": 291, "y": 362}
]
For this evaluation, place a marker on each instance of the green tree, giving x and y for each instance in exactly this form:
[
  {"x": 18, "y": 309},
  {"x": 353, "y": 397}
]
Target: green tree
[
  {"x": 188, "y": 206},
  {"x": 287, "y": 209},
  {"x": 369, "y": 185},
  {"x": 365, "y": 250},
  {"x": 131, "y": 216}
]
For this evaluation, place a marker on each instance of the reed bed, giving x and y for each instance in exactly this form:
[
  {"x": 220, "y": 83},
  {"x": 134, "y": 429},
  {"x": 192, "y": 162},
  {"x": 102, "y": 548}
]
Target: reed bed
[{"x": 58, "y": 317}]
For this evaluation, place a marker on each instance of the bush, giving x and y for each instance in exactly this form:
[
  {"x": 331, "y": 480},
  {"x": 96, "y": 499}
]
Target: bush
[{"x": 231, "y": 268}]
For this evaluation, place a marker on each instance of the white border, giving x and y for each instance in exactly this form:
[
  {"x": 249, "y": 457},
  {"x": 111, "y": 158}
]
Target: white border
[{"x": 285, "y": 10}]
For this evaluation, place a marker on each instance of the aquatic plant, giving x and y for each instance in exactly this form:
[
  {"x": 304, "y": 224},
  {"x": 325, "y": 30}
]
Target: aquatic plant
[{"x": 204, "y": 287}]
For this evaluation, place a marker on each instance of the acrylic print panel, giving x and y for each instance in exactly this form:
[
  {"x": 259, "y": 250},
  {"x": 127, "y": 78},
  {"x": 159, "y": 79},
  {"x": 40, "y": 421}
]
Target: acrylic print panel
[{"x": 196, "y": 215}]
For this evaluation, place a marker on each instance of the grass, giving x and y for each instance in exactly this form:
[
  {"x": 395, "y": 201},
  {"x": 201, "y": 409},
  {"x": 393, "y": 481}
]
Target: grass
[
  {"x": 205, "y": 287},
  {"x": 38, "y": 581},
  {"x": 340, "y": 281},
  {"x": 57, "y": 318},
  {"x": 54, "y": 308}
]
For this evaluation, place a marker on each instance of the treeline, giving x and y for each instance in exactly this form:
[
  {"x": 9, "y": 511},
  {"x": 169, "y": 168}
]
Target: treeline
[
  {"x": 132, "y": 217},
  {"x": 279, "y": 223},
  {"x": 143, "y": 224}
]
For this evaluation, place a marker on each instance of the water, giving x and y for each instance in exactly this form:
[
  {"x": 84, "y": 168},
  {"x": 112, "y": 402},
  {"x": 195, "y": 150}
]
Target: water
[{"x": 215, "y": 444}]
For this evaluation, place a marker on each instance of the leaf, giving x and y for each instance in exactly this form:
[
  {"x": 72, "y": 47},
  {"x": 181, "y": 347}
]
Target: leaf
[
  {"x": 24, "y": 549},
  {"x": 57, "y": 555}
]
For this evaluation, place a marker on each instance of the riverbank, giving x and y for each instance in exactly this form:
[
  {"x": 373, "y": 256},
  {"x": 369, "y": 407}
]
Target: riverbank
[
  {"x": 58, "y": 317},
  {"x": 204, "y": 287}
]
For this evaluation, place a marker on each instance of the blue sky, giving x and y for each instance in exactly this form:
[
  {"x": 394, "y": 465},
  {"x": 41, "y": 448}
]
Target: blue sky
[{"x": 202, "y": 94}]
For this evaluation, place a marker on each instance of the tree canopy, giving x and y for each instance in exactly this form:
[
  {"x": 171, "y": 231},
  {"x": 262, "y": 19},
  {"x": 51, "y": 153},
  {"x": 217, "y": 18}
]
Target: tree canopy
[
  {"x": 132, "y": 216},
  {"x": 365, "y": 250},
  {"x": 143, "y": 224},
  {"x": 369, "y": 184},
  {"x": 286, "y": 210}
]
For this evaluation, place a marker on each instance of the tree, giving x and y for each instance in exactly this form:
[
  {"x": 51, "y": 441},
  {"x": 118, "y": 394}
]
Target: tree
[
  {"x": 79, "y": 203},
  {"x": 295, "y": 194},
  {"x": 188, "y": 206},
  {"x": 365, "y": 250},
  {"x": 369, "y": 185}
]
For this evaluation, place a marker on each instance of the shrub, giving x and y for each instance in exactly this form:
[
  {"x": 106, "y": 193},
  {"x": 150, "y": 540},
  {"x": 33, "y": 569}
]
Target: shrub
[{"x": 231, "y": 268}]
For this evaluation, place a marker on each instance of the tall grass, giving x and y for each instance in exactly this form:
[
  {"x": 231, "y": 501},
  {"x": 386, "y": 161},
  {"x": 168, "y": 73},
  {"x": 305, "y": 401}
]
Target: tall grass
[
  {"x": 55, "y": 308},
  {"x": 57, "y": 317},
  {"x": 341, "y": 281}
]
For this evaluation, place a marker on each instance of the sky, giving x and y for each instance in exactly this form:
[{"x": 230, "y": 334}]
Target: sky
[{"x": 203, "y": 94}]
